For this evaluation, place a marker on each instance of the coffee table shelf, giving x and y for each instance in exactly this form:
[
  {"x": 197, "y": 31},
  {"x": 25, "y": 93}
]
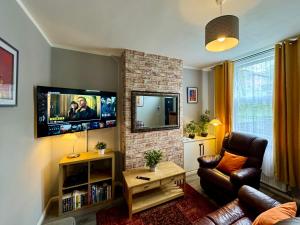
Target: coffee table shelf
[{"x": 155, "y": 197}]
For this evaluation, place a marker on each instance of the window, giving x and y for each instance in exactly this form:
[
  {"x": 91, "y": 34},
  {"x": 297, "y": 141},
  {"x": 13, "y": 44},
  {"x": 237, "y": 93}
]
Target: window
[{"x": 252, "y": 99}]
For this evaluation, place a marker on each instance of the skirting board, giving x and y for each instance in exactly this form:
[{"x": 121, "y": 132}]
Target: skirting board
[
  {"x": 42, "y": 217},
  {"x": 193, "y": 172}
]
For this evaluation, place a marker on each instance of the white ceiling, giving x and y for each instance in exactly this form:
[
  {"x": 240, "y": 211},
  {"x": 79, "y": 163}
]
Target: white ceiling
[{"x": 172, "y": 28}]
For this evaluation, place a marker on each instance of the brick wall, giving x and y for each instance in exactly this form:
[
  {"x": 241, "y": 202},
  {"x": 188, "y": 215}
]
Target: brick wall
[{"x": 148, "y": 72}]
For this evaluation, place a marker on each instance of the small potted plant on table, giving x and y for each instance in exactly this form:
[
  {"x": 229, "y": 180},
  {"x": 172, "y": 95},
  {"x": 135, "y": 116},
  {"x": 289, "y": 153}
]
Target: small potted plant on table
[
  {"x": 101, "y": 146},
  {"x": 152, "y": 159},
  {"x": 203, "y": 124},
  {"x": 190, "y": 129}
]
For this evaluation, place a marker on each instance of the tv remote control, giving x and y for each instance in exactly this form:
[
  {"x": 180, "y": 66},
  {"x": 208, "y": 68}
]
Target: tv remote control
[{"x": 142, "y": 178}]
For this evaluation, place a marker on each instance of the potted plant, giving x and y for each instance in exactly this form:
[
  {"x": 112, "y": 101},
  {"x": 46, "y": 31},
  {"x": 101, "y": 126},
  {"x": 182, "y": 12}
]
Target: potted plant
[
  {"x": 203, "y": 124},
  {"x": 101, "y": 146},
  {"x": 190, "y": 129},
  {"x": 152, "y": 158}
]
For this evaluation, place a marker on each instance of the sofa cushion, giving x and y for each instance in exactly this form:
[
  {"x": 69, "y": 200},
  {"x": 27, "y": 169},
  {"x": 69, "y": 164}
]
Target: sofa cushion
[
  {"x": 216, "y": 177},
  {"x": 276, "y": 214},
  {"x": 228, "y": 214},
  {"x": 231, "y": 162}
]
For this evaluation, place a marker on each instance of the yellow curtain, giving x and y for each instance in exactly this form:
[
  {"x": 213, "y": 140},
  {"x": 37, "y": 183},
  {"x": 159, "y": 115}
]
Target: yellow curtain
[
  {"x": 287, "y": 112},
  {"x": 223, "y": 76}
]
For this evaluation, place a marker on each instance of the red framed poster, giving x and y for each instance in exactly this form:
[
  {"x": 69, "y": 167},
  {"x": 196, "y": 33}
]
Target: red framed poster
[{"x": 8, "y": 74}]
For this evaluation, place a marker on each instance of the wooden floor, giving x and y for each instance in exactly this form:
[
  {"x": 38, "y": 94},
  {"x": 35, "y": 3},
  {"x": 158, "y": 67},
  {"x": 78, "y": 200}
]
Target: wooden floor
[{"x": 88, "y": 216}]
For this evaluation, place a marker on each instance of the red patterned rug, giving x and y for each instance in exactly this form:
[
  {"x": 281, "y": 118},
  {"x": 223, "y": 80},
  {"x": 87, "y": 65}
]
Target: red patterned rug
[{"x": 182, "y": 211}]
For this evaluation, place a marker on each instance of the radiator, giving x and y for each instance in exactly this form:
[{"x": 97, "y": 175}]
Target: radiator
[{"x": 271, "y": 181}]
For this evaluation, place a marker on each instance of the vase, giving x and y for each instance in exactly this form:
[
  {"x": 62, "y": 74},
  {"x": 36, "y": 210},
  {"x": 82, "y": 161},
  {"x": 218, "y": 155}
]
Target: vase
[
  {"x": 153, "y": 168},
  {"x": 101, "y": 151},
  {"x": 192, "y": 136},
  {"x": 204, "y": 134}
]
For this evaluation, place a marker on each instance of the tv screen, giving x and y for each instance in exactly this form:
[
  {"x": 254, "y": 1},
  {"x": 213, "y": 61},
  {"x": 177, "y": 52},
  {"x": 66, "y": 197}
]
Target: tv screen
[{"x": 63, "y": 110}]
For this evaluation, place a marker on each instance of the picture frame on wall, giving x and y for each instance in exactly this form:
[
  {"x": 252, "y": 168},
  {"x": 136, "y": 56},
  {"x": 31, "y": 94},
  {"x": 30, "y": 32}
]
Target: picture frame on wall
[
  {"x": 9, "y": 59},
  {"x": 139, "y": 101},
  {"x": 192, "y": 95}
]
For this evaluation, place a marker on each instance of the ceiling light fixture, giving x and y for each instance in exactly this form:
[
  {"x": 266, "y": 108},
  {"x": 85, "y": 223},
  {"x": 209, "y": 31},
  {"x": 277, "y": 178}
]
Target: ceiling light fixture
[{"x": 222, "y": 33}]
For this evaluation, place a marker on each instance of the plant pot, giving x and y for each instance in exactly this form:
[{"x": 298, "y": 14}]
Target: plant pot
[
  {"x": 192, "y": 136},
  {"x": 204, "y": 134},
  {"x": 153, "y": 168},
  {"x": 101, "y": 151}
]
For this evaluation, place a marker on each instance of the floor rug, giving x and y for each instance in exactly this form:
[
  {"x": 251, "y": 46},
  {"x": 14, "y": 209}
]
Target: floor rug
[{"x": 186, "y": 210}]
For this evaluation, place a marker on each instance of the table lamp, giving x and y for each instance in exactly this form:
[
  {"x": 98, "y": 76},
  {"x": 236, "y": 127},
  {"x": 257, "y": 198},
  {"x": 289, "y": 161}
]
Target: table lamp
[
  {"x": 215, "y": 122},
  {"x": 73, "y": 138}
]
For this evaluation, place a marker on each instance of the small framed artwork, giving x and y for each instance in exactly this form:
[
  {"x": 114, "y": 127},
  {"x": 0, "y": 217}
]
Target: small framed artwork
[
  {"x": 140, "y": 101},
  {"x": 9, "y": 57},
  {"x": 192, "y": 95}
]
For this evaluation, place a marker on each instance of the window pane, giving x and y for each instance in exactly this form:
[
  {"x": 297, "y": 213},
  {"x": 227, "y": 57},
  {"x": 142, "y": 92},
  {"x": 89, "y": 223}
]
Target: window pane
[{"x": 253, "y": 95}]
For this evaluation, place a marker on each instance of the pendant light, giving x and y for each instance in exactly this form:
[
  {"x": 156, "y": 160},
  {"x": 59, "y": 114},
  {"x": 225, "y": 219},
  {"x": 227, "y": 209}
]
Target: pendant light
[{"x": 222, "y": 33}]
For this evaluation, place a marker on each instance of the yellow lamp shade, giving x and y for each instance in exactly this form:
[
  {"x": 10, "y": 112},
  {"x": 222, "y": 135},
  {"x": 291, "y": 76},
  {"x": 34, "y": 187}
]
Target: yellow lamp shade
[
  {"x": 222, "y": 33},
  {"x": 215, "y": 122}
]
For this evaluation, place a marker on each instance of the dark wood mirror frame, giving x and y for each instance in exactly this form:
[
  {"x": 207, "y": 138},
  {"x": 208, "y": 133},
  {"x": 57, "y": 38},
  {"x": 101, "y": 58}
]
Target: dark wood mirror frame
[{"x": 134, "y": 94}]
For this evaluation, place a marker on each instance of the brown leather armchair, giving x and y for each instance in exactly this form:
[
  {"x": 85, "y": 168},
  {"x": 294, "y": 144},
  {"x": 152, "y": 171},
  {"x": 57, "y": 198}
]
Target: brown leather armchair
[{"x": 225, "y": 187}]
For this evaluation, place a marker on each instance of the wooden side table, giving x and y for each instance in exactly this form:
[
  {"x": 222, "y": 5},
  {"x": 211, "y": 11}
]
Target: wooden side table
[{"x": 165, "y": 184}]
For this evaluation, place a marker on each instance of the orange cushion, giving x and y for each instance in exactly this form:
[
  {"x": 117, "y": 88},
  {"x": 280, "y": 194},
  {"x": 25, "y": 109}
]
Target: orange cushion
[
  {"x": 276, "y": 214},
  {"x": 231, "y": 162}
]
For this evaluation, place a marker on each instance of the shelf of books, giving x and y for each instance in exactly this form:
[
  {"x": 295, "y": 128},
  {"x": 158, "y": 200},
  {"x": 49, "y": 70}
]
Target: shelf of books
[{"x": 86, "y": 181}]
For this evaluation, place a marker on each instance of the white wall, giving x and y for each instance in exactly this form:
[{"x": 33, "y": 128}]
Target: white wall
[{"x": 24, "y": 160}]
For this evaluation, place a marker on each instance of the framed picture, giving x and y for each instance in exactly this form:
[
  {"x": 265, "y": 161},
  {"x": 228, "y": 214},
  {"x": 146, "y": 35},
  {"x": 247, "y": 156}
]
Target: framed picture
[
  {"x": 139, "y": 101},
  {"x": 9, "y": 57},
  {"x": 192, "y": 95}
]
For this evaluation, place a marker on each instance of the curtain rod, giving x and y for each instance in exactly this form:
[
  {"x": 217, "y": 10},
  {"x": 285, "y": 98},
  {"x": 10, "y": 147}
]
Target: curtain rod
[
  {"x": 239, "y": 59},
  {"x": 253, "y": 55}
]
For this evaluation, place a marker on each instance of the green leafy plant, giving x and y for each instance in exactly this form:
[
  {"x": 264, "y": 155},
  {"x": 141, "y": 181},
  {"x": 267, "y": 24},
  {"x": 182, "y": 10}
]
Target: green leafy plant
[
  {"x": 153, "y": 157},
  {"x": 204, "y": 121},
  {"x": 100, "y": 145},
  {"x": 191, "y": 127}
]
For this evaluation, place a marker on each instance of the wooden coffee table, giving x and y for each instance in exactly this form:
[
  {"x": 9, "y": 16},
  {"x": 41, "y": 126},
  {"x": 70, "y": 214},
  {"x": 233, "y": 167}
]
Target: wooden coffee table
[{"x": 165, "y": 184}]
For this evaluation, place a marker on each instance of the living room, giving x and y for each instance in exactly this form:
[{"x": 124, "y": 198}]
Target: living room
[{"x": 149, "y": 112}]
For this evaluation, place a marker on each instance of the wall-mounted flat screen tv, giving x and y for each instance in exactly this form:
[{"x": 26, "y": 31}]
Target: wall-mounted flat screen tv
[{"x": 63, "y": 110}]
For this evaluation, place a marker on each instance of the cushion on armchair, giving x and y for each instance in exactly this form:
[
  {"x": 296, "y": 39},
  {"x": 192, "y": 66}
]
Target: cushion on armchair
[{"x": 231, "y": 162}]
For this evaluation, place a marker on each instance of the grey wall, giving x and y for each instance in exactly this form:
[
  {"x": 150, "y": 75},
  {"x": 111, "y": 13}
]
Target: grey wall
[
  {"x": 24, "y": 160},
  {"x": 72, "y": 69},
  {"x": 208, "y": 91},
  {"x": 192, "y": 78}
]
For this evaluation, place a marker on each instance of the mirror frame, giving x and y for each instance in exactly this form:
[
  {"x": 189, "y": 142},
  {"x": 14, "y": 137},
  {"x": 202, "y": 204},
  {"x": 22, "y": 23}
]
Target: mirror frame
[{"x": 134, "y": 129}]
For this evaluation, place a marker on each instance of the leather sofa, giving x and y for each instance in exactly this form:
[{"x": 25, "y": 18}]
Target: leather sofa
[
  {"x": 241, "y": 211},
  {"x": 225, "y": 186}
]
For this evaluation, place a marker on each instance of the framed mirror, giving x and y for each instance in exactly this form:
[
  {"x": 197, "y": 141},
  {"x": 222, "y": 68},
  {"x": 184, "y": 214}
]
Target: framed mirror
[{"x": 152, "y": 111}]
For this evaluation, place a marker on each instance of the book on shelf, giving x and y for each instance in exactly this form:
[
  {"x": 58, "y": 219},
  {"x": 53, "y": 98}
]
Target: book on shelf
[
  {"x": 74, "y": 200},
  {"x": 100, "y": 193}
]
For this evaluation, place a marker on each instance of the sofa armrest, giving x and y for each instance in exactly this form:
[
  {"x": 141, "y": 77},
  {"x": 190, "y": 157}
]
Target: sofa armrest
[
  {"x": 255, "y": 200},
  {"x": 209, "y": 161},
  {"x": 245, "y": 176}
]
